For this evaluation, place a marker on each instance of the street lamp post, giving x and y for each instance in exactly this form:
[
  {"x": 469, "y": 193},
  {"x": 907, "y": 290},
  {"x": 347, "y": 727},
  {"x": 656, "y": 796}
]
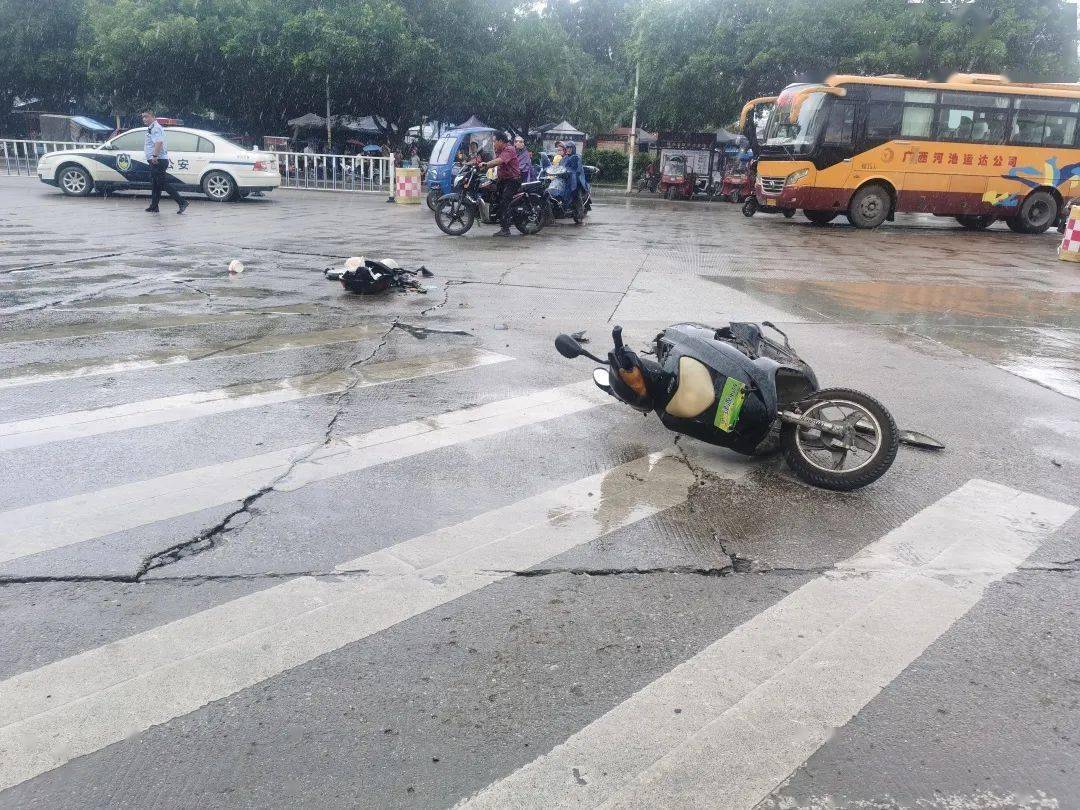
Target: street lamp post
[
  {"x": 328, "y": 113},
  {"x": 633, "y": 133}
]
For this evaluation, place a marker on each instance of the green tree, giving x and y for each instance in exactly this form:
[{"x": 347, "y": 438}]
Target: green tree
[
  {"x": 38, "y": 58},
  {"x": 536, "y": 73}
]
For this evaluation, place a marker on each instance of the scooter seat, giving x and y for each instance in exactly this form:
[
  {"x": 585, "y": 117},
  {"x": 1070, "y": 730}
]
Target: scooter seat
[{"x": 694, "y": 390}]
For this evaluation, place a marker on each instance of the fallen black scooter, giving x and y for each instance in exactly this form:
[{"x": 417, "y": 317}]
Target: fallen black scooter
[{"x": 736, "y": 388}]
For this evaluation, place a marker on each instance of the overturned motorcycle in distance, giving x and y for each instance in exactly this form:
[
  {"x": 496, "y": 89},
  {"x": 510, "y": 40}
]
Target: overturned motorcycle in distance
[
  {"x": 737, "y": 388},
  {"x": 473, "y": 197}
]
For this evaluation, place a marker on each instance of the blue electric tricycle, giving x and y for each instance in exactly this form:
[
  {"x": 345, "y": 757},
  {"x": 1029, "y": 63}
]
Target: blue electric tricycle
[{"x": 441, "y": 164}]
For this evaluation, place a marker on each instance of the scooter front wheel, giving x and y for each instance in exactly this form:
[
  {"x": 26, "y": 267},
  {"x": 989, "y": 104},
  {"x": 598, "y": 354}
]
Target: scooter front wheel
[{"x": 859, "y": 457}]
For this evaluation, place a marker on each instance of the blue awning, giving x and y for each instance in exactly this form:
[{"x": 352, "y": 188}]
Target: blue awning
[{"x": 90, "y": 123}]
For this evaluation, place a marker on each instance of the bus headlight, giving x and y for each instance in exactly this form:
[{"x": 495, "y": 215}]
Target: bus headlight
[{"x": 795, "y": 177}]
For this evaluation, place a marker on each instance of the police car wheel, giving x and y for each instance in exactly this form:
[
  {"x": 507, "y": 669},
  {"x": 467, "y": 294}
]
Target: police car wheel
[
  {"x": 219, "y": 187},
  {"x": 75, "y": 181}
]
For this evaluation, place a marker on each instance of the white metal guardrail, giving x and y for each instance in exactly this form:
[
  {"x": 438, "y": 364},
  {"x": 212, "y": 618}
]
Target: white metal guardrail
[
  {"x": 313, "y": 172},
  {"x": 21, "y": 156},
  {"x": 320, "y": 172}
]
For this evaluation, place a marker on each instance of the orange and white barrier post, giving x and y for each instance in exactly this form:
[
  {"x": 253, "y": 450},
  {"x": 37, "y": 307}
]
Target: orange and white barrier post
[{"x": 1069, "y": 249}]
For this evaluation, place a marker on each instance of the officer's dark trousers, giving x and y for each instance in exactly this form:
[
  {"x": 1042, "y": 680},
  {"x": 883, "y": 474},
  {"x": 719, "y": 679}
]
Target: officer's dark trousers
[{"x": 159, "y": 179}]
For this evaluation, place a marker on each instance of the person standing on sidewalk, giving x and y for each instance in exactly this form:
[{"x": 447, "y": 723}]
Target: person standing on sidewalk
[
  {"x": 507, "y": 179},
  {"x": 157, "y": 156}
]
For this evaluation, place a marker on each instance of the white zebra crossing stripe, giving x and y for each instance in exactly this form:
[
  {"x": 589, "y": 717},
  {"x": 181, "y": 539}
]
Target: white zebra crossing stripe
[
  {"x": 32, "y": 375},
  {"x": 81, "y": 704},
  {"x": 55, "y": 524},
  {"x": 724, "y": 728},
  {"x": 81, "y": 424}
]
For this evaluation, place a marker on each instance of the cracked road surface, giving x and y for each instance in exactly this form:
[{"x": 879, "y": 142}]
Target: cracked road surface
[{"x": 263, "y": 543}]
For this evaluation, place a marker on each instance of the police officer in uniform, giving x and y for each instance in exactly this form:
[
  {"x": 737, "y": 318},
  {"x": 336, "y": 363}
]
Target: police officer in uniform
[{"x": 157, "y": 155}]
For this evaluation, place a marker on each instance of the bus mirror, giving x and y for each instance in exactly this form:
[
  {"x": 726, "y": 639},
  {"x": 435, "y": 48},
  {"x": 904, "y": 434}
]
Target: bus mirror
[
  {"x": 750, "y": 105},
  {"x": 800, "y": 96}
]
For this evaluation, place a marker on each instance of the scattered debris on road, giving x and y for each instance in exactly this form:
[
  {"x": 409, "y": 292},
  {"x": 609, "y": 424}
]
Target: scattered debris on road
[{"x": 369, "y": 276}]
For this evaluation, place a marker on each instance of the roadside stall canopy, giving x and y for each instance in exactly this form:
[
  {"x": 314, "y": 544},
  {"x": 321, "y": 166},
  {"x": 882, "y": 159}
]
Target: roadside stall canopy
[
  {"x": 307, "y": 121},
  {"x": 366, "y": 124},
  {"x": 472, "y": 123},
  {"x": 563, "y": 131},
  {"x": 71, "y": 128}
]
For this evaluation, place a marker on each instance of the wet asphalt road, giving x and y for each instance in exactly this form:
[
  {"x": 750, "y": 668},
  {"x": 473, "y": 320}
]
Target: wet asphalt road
[{"x": 264, "y": 543}]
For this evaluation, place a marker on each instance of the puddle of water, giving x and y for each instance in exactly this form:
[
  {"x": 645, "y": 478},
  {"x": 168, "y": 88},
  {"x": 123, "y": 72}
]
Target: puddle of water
[
  {"x": 899, "y": 302},
  {"x": 51, "y": 372},
  {"x": 150, "y": 322},
  {"x": 1047, "y": 356},
  {"x": 108, "y": 302}
]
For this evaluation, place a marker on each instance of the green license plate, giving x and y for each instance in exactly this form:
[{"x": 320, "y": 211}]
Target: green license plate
[{"x": 730, "y": 405}]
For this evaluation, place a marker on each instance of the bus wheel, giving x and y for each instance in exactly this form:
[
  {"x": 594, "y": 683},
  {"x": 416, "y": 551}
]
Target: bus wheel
[
  {"x": 820, "y": 217},
  {"x": 975, "y": 222},
  {"x": 1038, "y": 211},
  {"x": 869, "y": 206}
]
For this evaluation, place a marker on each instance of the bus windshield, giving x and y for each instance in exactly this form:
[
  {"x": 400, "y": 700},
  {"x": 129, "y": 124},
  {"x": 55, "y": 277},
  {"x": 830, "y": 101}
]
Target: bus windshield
[{"x": 800, "y": 136}]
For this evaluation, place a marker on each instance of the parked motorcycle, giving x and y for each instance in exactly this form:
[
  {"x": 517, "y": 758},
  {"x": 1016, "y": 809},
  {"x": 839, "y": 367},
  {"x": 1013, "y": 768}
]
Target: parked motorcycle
[
  {"x": 752, "y": 206},
  {"x": 473, "y": 197},
  {"x": 648, "y": 183},
  {"x": 569, "y": 194},
  {"x": 736, "y": 388}
]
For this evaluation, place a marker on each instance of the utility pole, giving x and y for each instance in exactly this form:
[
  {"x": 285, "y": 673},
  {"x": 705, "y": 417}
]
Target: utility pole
[
  {"x": 633, "y": 133},
  {"x": 328, "y": 141}
]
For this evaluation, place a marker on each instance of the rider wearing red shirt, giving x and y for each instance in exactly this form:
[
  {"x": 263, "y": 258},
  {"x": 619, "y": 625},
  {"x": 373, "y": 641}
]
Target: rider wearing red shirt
[{"x": 507, "y": 179}]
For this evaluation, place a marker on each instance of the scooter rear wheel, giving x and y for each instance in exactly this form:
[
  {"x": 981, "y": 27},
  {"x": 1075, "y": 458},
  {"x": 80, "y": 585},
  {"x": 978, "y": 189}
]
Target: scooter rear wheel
[
  {"x": 528, "y": 218},
  {"x": 866, "y": 450}
]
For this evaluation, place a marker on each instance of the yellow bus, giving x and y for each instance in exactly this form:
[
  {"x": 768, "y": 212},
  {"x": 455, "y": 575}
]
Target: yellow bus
[{"x": 976, "y": 147}]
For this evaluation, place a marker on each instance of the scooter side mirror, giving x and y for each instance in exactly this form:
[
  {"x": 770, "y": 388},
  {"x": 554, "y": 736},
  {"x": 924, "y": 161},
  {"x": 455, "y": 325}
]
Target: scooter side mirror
[
  {"x": 568, "y": 347},
  {"x": 602, "y": 378}
]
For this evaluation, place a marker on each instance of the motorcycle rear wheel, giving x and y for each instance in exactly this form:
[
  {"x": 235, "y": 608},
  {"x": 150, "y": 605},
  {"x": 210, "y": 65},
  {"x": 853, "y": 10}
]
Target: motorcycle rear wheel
[
  {"x": 867, "y": 449},
  {"x": 579, "y": 211},
  {"x": 453, "y": 217}
]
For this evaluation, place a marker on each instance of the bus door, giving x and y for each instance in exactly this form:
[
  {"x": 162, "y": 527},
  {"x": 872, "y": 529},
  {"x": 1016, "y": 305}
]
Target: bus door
[
  {"x": 926, "y": 173},
  {"x": 836, "y": 153}
]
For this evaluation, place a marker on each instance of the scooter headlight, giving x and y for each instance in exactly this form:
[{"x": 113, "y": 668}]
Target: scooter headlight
[{"x": 795, "y": 177}]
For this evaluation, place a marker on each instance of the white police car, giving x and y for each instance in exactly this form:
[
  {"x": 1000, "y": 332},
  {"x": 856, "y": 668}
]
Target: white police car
[{"x": 198, "y": 161}]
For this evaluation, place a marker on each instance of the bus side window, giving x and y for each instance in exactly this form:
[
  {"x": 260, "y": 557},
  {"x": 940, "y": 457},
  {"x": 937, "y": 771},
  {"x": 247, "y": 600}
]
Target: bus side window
[
  {"x": 883, "y": 120},
  {"x": 841, "y": 123}
]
